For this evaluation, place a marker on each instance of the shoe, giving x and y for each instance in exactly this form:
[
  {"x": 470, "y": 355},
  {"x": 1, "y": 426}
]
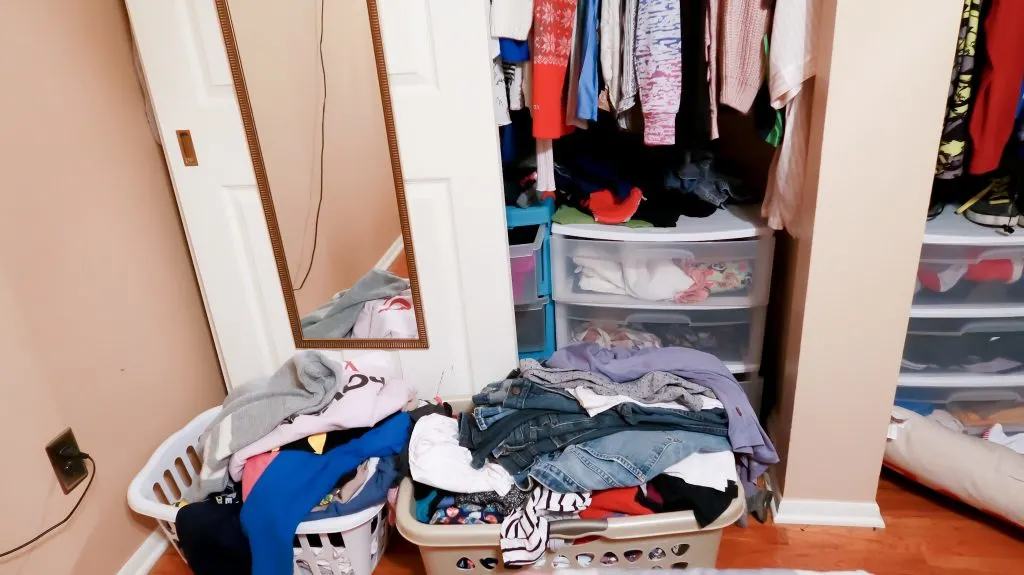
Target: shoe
[
  {"x": 935, "y": 208},
  {"x": 993, "y": 206}
]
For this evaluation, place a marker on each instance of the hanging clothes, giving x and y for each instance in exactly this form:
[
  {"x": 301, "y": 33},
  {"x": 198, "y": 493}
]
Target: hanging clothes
[
  {"x": 628, "y": 88},
  {"x": 511, "y": 19},
  {"x": 950, "y": 163},
  {"x": 995, "y": 105},
  {"x": 500, "y": 93},
  {"x": 586, "y": 100},
  {"x": 552, "y": 34},
  {"x": 790, "y": 68},
  {"x": 659, "y": 68},
  {"x": 692, "y": 125},
  {"x": 770, "y": 123},
  {"x": 711, "y": 55},
  {"x": 572, "y": 91},
  {"x": 553, "y": 24},
  {"x": 743, "y": 24},
  {"x": 611, "y": 49}
]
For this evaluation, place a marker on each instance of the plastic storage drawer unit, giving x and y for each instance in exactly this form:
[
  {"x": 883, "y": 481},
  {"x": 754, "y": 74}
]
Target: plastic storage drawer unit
[
  {"x": 977, "y": 346},
  {"x": 661, "y": 274},
  {"x": 531, "y": 330},
  {"x": 978, "y": 408},
  {"x": 970, "y": 275},
  {"x": 524, "y": 251},
  {"x": 733, "y": 335}
]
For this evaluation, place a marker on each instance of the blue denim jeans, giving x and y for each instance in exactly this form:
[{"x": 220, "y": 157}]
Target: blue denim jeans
[
  {"x": 525, "y": 394},
  {"x": 534, "y": 421},
  {"x": 625, "y": 459}
]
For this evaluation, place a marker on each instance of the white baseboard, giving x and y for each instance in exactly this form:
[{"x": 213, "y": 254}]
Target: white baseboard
[
  {"x": 391, "y": 255},
  {"x": 792, "y": 511},
  {"x": 146, "y": 556},
  {"x": 823, "y": 511}
]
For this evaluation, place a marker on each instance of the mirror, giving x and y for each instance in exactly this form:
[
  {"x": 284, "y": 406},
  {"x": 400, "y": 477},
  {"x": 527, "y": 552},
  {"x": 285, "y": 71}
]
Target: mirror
[{"x": 313, "y": 94}]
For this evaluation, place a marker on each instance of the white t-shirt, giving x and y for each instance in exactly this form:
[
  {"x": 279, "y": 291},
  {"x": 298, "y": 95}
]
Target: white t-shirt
[{"x": 790, "y": 67}]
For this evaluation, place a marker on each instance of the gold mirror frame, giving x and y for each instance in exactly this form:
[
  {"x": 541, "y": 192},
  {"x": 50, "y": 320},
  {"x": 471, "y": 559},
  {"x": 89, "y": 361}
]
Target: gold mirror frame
[{"x": 242, "y": 95}]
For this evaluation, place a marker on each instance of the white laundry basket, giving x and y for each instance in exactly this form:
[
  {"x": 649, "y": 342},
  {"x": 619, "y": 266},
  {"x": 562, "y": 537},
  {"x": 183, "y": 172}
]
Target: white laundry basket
[
  {"x": 349, "y": 545},
  {"x": 660, "y": 541}
]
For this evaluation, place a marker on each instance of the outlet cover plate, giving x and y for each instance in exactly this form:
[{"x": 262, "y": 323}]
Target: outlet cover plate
[{"x": 69, "y": 472}]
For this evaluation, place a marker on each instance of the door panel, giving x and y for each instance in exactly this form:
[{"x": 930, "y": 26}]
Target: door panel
[{"x": 439, "y": 76}]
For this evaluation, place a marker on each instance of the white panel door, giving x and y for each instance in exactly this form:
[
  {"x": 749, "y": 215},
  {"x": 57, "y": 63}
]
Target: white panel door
[{"x": 439, "y": 73}]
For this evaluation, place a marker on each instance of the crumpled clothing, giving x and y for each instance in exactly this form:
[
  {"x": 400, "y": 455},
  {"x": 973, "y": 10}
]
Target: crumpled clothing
[
  {"x": 390, "y": 318},
  {"x": 942, "y": 278},
  {"x": 437, "y": 459},
  {"x": 336, "y": 318},
  {"x": 467, "y": 514},
  {"x": 749, "y": 440},
  {"x": 505, "y": 504},
  {"x": 524, "y": 534},
  {"x": 649, "y": 280},
  {"x": 715, "y": 278},
  {"x": 651, "y": 387},
  {"x": 614, "y": 336},
  {"x": 681, "y": 281}
]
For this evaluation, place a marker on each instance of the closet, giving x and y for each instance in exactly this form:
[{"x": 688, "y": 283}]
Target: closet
[
  {"x": 633, "y": 184},
  {"x": 963, "y": 361},
  {"x": 964, "y": 352}
]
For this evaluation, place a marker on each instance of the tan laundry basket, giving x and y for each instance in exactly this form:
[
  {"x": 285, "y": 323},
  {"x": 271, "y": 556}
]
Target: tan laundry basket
[{"x": 665, "y": 540}]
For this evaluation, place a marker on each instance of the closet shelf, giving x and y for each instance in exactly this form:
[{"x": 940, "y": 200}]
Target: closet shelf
[
  {"x": 961, "y": 380},
  {"x": 734, "y": 222},
  {"x": 967, "y": 311},
  {"x": 950, "y": 228}
]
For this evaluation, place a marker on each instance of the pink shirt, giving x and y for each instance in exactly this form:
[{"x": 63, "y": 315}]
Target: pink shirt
[{"x": 361, "y": 401}]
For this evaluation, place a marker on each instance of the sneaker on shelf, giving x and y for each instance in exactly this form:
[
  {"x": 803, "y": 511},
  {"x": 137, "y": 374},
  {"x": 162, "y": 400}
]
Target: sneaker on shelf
[
  {"x": 935, "y": 209},
  {"x": 993, "y": 206}
]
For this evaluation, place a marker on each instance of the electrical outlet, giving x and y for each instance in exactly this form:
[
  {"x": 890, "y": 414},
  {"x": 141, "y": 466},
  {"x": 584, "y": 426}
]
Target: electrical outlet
[{"x": 70, "y": 472}]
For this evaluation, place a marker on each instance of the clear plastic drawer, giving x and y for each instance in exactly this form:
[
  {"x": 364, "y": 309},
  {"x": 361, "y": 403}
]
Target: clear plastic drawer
[
  {"x": 524, "y": 252},
  {"x": 530, "y": 326},
  {"x": 662, "y": 274},
  {"x": 977, "y": 346},
  {"x": 976, "y": 407},
  {"x": 733, "y": 335},
  {"x": 976, "y": 275}
]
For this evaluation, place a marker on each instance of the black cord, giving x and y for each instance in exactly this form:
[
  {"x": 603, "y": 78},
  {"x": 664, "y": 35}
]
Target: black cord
[
  {"x": 72, "y": 512},
  {"x": 323, "y": 118}
]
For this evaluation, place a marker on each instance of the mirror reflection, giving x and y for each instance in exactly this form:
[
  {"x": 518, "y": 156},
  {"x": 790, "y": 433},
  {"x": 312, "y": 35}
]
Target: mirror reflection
[{"x": 336, "y": 204}]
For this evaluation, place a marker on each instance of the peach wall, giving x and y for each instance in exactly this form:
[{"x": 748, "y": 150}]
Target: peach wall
[
  {"x": 878, "y": 113},
  {"x": 278, "y": 44},
  {"x": 102, "y": 327}
]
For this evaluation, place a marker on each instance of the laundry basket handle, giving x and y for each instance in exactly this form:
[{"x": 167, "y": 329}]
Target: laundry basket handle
[{"x": 573, "y": 528}]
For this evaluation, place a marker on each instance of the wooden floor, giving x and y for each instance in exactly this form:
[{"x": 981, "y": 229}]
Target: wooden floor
[{"x": 925, "y": 533}]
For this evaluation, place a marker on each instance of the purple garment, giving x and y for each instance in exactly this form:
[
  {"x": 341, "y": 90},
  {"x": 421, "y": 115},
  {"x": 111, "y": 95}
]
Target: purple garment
[{"x": 746, "y": 435}]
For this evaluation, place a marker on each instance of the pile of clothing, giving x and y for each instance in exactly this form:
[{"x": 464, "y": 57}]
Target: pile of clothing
[
  {"x": 316, "y": 440},
  {"x": 378, "y": 306},
  {"x": 654, "y": 279},
  {"x": 591, "y": 433}
]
